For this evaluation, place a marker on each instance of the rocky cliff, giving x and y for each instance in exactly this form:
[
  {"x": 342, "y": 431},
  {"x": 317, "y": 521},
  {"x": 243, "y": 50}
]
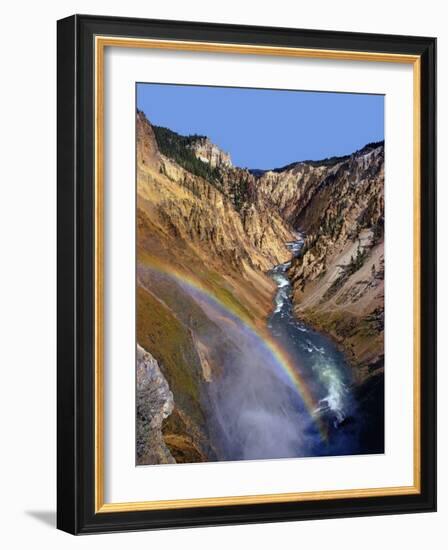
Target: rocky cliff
[
  {"x": 208, "y": 152},
  {"x": 207, "y": 228},
  {"x": 338, "y": 281},
  {"x": 154, "y": 404},
  {"x": 189, "y": 226},
  {"x": 196, "y": 214}
]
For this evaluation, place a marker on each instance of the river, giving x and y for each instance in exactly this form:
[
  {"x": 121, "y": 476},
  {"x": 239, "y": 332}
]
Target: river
[
  {"x": 322, "y": 367},
  {"x": 263, "y": 406}
]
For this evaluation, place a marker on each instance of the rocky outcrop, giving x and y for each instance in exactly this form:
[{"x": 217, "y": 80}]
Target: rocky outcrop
[
  {"x": 210, "y": 153},
  {"x": 147, "y": 150},
  {"x": 154, "y": 404}
]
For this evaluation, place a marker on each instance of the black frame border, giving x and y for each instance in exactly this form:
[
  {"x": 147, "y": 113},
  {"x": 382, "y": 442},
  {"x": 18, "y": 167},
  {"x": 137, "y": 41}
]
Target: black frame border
[{"x": 76, "y": 263}]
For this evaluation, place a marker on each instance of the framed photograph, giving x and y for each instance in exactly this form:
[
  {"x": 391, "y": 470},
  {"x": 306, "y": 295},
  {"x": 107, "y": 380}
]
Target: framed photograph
[{"x": 246, "y": 274}]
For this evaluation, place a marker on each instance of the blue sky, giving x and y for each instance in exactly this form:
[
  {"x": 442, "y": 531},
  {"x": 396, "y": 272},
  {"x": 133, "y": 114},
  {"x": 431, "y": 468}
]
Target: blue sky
[{"x": 267, "y": 128}]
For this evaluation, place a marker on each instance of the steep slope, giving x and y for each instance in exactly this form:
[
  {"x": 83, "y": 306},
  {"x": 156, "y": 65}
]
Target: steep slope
[
  {"x": 207, "y": 235},
  {"x": 338, "y": 281},
  {"x": 208, "y": 152},
  {"x": 202, "y": 218},
  {"x": 189, "y": 228}
]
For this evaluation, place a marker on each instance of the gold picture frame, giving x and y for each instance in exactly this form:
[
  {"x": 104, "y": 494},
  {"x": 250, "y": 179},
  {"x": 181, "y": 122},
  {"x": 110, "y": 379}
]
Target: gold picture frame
[{"x": 94, "y": 29}]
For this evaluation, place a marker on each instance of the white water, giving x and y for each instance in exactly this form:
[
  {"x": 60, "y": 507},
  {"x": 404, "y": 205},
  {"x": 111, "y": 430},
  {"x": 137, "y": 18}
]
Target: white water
[{"x": 318, "y": 360}]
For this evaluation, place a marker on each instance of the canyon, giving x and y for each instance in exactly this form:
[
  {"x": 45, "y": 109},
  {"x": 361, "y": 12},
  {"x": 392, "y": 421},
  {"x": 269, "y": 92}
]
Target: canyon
[{"x": 210, "y": 235}]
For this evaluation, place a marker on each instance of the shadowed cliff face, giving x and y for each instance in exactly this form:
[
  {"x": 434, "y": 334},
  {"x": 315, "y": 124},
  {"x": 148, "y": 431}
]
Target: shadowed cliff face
[{"x": 206, "y": 228}]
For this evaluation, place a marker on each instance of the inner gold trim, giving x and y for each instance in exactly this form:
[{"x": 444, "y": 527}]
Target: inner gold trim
[{"x": 101, "y": 42}]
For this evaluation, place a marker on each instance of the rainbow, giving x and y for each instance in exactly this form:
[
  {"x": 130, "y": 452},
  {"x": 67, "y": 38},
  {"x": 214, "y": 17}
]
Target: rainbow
[{"x": 232, "y": 311}]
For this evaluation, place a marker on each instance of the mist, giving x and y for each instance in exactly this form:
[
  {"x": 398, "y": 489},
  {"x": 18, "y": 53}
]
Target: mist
[{"x": 254, "y": 410}]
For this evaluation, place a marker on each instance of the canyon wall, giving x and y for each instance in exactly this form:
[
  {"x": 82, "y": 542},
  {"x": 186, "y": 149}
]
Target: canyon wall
[
  {"x": 210, "y": 231},
  {"x": 191, "y": 229},
  {"x": 338, "y": 280},
  {"x": 208, "y": 152}
]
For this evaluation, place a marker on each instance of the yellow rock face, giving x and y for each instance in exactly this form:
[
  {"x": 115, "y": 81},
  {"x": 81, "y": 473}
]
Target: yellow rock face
[{"x": 226, "y": 233}]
